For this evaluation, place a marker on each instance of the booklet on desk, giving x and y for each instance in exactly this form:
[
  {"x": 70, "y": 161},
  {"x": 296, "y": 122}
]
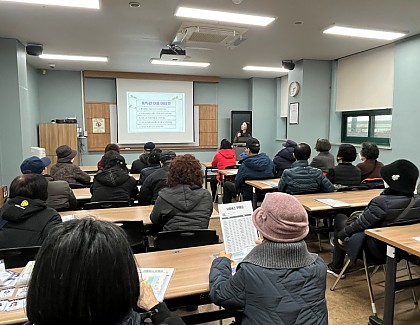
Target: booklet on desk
[
  {"x": 334, "y": 203},
  {"x": 239, "y": 232}
]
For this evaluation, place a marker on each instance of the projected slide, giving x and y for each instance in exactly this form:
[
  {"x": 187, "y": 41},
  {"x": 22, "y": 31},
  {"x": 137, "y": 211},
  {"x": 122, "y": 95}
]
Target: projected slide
[{"x": 155, "y": 112}]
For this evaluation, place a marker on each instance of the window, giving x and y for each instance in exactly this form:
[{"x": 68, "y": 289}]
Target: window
[{"x": 367, "y": 126}]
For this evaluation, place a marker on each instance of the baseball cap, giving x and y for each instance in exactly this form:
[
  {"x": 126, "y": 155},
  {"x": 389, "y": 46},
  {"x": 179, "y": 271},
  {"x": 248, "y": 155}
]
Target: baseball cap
[{"x": 34, "y": 165}]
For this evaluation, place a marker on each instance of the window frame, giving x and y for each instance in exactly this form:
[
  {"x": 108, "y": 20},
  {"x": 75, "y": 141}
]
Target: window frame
[{"x": 370, "y": 138}]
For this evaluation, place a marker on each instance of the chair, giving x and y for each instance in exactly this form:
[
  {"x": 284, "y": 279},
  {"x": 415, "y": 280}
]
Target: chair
[
  {"x": 185, "y": 238},
  {"x": 136, "y": 235},
  {"x": 18, "y": 257},
  {"x": 368, "y": 262},
  {"x": 105, "y": 204}
]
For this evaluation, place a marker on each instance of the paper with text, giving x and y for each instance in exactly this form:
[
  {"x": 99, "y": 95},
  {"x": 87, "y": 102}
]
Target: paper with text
[
  {"x": 158, "y": 278},
  {"x": 239, "y": 233},
  {"x": 334, "y": 203}
]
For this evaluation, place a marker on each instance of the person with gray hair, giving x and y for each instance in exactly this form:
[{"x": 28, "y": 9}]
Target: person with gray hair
[{"x": 324, "y": 160}]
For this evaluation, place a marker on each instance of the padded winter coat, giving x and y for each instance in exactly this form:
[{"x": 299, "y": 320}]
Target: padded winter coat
[
  {"x": 382, "y": 211},
  {"x": 28, "y": 222},
  {"x": 345, "y": 174},
  {"x": 113, "y": 184},
  {"x": 371, "y": 168},
  {"x": 60, "y": 195},
  {"x": 324, "y": 161},
  {"x": 284, "y": 160},
  {"x": 254, "y": 167},
  {"x": 140, "y": 163},
  {"x": 271, "y": 296},
  {"x": 70, "y": 173},
  {"x": 193, "y": 207},
  {"x": 153, "y": 184},
  {"x": 224, "y": 158},
  {"x": 301, "y": 179}
]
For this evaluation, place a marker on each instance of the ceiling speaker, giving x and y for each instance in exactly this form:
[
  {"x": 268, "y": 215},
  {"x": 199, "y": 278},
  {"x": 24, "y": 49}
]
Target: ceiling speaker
[
  {"x": 288, "y": 64},
  {"x": 34, "y": 49}
]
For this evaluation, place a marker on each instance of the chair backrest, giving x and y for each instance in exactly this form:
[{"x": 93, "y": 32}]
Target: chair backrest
[
  {"x": 376, "y": 182},
  {"x": 105, "y": 204},
  {"x": 232, "y": 167},
  {"x": 353, "y": 188},
  {"x": 136, "y": 234},
  {"x": 185, "y": 238},
  {"x": 18, "y": 257}
]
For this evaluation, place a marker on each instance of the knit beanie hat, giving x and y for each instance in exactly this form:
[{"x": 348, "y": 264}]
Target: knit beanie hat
[
  {"x": 65, "y": 153},
  {"x": 281, "y": 218},
  {"x": 401, "y": 176}
]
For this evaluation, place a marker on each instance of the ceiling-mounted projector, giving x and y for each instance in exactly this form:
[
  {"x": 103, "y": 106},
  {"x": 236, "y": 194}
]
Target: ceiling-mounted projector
[{"x": 173, "y": 53}]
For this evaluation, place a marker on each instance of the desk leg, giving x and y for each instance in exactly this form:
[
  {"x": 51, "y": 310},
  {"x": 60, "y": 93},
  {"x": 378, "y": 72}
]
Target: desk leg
[
  {"x": 205, "y": 177},
  {"x": 391, "y": 271},
  {"x": 254, "y": 198}
]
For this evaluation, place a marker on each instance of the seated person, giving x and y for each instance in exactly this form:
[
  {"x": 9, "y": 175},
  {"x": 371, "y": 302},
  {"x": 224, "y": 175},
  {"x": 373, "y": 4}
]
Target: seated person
[
  {"x": 301, "y": 178},
  {"x": 113, "y": 183},
  {"x": 255, "y": 166},
  {"x": 143, "y": 160},
  {"x": 79, "y": 258},
  {"x": 284, "y": 158},
  {"x": 184, "y": 204},
  {"x": 109, "y": 146},
  {"x": 279, "y": 281},
  {"x": 154, "y": 164},
  {"x": 64, "y": 170},
  {"x": 324, "y": 160},
  {"x": 156, "y": 181},
  {"x": 400, "y": 178},
  {"x": 345, "y": 174},
  {"x": 25, "y": 217},
  {"x": 223, "y": 158},
  {"x": 370, "y": 166},
  {"x": 60, "y": 195}
]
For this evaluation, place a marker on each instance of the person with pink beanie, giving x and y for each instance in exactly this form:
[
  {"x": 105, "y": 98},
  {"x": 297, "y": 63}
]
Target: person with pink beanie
[{"x": 279, "y": 281}]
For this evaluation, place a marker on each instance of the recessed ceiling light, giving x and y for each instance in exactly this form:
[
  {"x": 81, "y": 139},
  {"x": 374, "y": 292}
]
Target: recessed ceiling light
[
  {"x": 181, "y": 63},
  {"x": 265, "y": 69},
  {"x": 223, "y": 16},
  {"x": 365, "y": 33},
  {"x": 91, "y": 4},
  {"x": 74, "y": 57}
]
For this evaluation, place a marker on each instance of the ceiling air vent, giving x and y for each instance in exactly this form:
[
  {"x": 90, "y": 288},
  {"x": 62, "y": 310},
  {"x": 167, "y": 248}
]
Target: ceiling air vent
[{"x": 210, "y": 34}]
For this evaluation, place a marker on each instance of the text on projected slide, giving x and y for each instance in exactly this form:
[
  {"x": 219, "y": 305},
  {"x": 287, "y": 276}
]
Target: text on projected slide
[{"x": 155, "y": 112}]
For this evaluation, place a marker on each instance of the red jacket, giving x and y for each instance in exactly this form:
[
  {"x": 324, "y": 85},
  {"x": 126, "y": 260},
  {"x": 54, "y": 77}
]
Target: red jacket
[{"x": 224, "y": 158}]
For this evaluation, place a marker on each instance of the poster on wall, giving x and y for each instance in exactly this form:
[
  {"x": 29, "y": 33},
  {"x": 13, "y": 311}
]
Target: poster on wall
[
  {"x": 98, "y": 125},
  {"x": 294, "y": 113}
]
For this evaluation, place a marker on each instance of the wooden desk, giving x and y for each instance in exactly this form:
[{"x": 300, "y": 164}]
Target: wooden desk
[
  {"x": 134, "y": 213},
  {"x": 355, "y": 199},
  {"x": 207, "y": 165},
  {"x": 398, "y": 240},
  {"x": 270, "y": 184},
  {"x": 82, "y": 193},
  {"x": 189, "y": 283}
]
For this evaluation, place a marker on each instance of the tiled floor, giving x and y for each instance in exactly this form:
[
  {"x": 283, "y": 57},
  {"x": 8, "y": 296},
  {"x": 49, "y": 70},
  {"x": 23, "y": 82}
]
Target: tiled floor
[{"x": 349, "y": 303}]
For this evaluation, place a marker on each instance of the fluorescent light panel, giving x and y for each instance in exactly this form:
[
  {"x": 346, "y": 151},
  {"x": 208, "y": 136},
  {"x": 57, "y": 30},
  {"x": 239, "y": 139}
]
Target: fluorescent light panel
[
  {"x": 181, "y": 63},
  {"x": 265, "y": 69},
  {"x": 91, "y": 4},
  {"x": 73, "y": 57},
  {"x": 223, "y": 16},
  {"x": 365, "y": 33}
]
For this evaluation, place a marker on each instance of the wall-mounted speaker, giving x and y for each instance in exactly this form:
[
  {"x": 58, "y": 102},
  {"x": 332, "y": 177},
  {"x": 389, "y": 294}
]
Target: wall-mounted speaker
[
  {"x": 34, "y": 49},
  {"x": 288, "y": 64}
]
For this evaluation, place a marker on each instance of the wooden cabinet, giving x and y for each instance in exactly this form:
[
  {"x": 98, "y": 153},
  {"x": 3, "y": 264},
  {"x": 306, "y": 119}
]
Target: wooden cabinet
[{"x": 53, "y": 135}]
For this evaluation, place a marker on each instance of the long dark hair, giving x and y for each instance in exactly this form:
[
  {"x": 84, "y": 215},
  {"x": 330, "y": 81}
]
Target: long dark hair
[{"x": 84, "y": 274}]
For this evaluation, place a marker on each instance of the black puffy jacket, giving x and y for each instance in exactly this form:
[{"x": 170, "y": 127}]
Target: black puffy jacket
[
  {"x": 284, "y": 160},
  {"x": 28, "y": 222},
  {"x": 382, "y": 211},
  {"x": 113, "y": 184}
]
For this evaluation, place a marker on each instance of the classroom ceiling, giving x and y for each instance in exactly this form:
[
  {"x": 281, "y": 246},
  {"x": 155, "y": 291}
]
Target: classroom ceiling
[{"x": 130, "y": 37}]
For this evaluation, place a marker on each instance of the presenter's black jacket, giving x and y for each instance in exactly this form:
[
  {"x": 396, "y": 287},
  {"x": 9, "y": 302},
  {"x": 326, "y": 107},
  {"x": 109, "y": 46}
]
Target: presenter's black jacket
[
  {"x": 140, "y": 163},
  {"x": 113, "y": 184},
  {"x": 153, "y": 184},
  {"x": 28, "y": 222},
  {"x": 190, "y": 207}
]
